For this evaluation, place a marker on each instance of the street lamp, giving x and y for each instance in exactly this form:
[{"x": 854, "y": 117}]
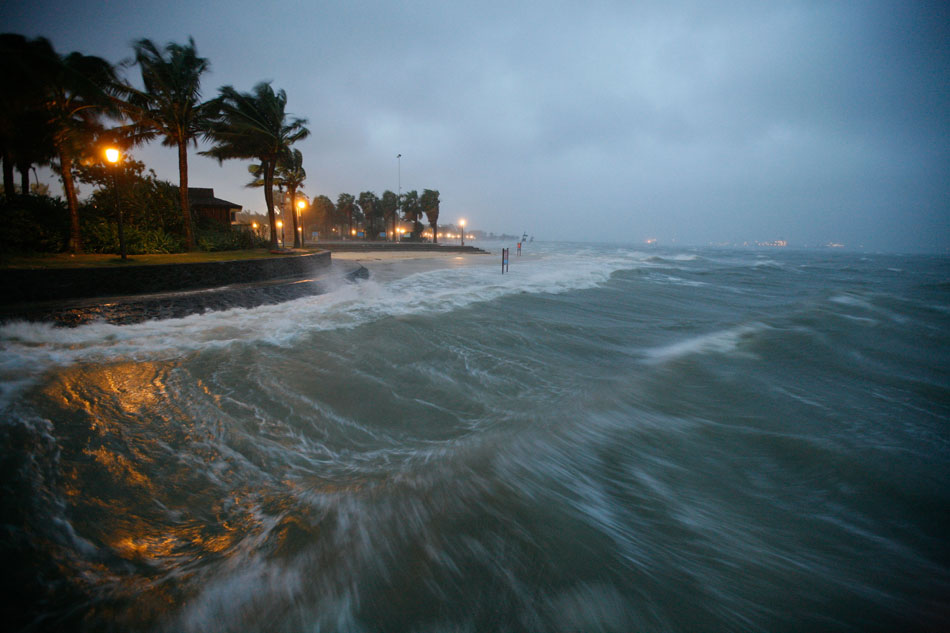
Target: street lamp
[
  {"x": 114, "y": 156},
  {"x": 301, "y": 205},
  {"x": 280, "y": 225},
  {"x": 399, "y": 194},
  {"x": 462, "y": 232}
]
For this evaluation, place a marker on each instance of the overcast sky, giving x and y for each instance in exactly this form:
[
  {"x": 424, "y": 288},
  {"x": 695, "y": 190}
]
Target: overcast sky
[{"x": 689, "y": 122}]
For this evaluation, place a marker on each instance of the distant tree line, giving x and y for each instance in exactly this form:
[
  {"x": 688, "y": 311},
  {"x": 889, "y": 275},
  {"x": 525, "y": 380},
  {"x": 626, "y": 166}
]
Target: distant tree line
[
  {"x": 54, "y": 110},
  {"x": 375, "y": 215}
]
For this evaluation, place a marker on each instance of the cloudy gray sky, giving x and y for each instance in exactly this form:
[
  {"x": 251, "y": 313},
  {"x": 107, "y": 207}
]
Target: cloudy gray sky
[{"x": 688, "y": 122}]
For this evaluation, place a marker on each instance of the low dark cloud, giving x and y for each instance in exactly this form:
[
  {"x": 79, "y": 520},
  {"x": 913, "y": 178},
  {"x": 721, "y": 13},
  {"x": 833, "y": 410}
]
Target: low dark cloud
[{"x": 700, "y": 122}]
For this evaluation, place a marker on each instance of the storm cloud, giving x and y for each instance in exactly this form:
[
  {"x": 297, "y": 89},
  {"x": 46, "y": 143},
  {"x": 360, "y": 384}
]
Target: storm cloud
[{"x": 688, "y": 122}]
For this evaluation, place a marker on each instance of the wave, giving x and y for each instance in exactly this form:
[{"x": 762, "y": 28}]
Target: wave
[
  {"x": 29, "y": 348},
  {"x": 680, "y": 257},
  {"x": 727, "y": 341},
  {"x": 867, "y": 305},
  {"x": 852, "y": 301},
  {"x": 676, "y": 281}
]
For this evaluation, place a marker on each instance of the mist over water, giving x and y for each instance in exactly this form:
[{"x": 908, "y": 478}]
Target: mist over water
[{"x": 605, "y": 439}]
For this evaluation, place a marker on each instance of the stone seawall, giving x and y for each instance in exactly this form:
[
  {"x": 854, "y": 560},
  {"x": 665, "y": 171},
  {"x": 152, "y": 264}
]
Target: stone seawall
[{"x": 21, "y": 285}]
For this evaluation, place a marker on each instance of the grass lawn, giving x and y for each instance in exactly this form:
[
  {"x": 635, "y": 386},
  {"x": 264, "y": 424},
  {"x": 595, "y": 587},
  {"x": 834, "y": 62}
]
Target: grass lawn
[{"x": 65, "y": 260}]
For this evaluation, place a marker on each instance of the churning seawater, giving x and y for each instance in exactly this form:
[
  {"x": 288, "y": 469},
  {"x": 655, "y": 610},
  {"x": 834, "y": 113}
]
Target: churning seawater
[{"x": 604, "y": 439}]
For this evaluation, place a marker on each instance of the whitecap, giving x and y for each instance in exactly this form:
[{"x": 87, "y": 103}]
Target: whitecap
[
  {"x": 29, "y": 349},
  {"x": 721, "y": 342},
  {"x": 851, "y": 300}
]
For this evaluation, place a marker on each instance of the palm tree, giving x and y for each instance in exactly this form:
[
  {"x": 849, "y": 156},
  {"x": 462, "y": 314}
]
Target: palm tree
[
  {"x": 430, "y": 205},
  {"x": 72, "y": 92},
  {"x": 170, "y": 106},
  {"x": 254, "y": 125},
  {"x": 25, "y": 133},
  {"x": 389, "y": 203},
  {"x": 345, "y": 205},
  {"x": 81, "y": 89},
  {"x": 19, "y": 94},
  {"x": 32, "y": 145},
  {"x": 373, "y": 214},
  {"x": 412, "y": 211},
  {"x": 292, "y": 174}
]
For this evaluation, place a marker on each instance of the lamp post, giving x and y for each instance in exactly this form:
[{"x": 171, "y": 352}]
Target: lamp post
[
  {"x": 280, "y": 225},
  {"x": 399, "y": 192},
  {"x": 114, "y": 156},
  {"x": 462, "y": 232},
  {"x": 301, "y": 205}
]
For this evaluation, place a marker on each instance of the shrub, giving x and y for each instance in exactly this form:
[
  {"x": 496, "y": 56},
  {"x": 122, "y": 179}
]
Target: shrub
[
  {"x": 34, "y": 224},
  {"x": 210, "y": 239},
  {"x": 101, "y": 236}
]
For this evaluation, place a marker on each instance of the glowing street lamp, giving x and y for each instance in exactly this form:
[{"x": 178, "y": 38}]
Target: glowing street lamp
[
  {"x": 462, "y": 232},
  {"x": 280, "y": 225},
  {"x": 301, "y": 205},
  {"x": 113, "y": 156}
]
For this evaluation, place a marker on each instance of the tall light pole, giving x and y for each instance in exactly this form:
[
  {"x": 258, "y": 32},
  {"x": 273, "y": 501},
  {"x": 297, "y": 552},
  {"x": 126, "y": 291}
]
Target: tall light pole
[
  {"x": 280, "y": 225},
  {"x": 398, "y": 194},
  {"x": 462, "y": 232},
  {"x": 301, "y": 205},
  {"x": 114, "y": 156}
]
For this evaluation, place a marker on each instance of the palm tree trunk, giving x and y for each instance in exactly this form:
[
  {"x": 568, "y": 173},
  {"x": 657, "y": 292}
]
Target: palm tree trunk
[
  {"x": 66, "y": 166},
  {"x": 8, "y": 179},
  {"x": 269, "y": 200},
  {"x": 183, "y": 195},
  {"x": 435, "y": 232},
  {"x": 24, "y": 179},
  {"x": 291, "y": 200}
]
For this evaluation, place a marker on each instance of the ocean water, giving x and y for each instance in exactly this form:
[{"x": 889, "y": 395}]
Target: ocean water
[{"x": 604, "y": 439}]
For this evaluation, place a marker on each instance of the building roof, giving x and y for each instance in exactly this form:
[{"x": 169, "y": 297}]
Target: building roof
[{"x": 204, "y": 197}]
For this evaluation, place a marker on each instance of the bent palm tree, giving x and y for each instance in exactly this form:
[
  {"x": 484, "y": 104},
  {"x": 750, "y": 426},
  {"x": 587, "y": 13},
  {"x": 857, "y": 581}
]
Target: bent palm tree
[
  {"x": 170, "y": 106},
  {"x": 72, "y": 92},
  {"x": 78, "y": 89},
  {"x": 254, "y": 125},
  {"x": 292, "y": 175}
]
